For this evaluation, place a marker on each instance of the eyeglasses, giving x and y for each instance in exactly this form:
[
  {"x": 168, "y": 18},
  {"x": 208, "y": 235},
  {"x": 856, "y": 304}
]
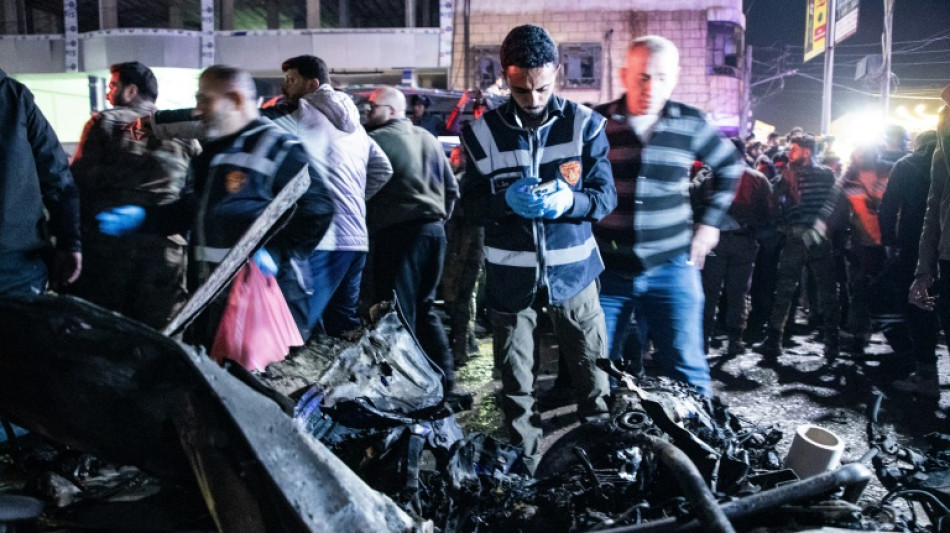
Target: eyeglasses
[{"x": 374, "y": 105}]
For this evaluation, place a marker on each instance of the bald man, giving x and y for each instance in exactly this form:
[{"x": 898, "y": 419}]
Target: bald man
[
  {"x": 405, "y": 219},
  {"x": 242, "y": 168}
]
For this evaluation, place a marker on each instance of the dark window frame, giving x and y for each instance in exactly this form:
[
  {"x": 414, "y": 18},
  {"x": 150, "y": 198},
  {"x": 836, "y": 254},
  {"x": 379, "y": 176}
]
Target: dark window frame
[
  {"x": 725, "y": 49},
  {"x": 586, "y": 57}
]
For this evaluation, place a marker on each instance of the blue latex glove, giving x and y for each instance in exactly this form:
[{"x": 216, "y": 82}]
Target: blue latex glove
[
  {"x": 121, "y": 220},
  {"x": 523, "y": 200},
  {"x": 265, "y": 262},
  {"x": 558, "y": 202}
]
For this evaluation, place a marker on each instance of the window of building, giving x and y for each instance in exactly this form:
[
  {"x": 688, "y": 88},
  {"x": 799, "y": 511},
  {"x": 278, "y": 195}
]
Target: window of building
[
  {"x": 581, "y": 65},
  {"x": 724, "y": 45},
  {"x": 487, "y": 65}
]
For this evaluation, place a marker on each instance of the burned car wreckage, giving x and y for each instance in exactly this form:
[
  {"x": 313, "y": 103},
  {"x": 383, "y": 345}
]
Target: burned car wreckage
[{"x": 358, "y": 436}]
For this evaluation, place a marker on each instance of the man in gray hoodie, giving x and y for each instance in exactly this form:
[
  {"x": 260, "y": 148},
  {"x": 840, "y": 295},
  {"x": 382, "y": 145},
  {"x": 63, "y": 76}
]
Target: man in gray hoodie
[{"x": 323, "y": 292}]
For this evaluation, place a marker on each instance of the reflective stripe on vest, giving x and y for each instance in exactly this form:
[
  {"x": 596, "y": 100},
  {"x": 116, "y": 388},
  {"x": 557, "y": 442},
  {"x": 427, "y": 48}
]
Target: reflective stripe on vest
[
  {"x": 210, "y": 254},
  {"x": 496, "y": 159},
  {"x": 565, "y": 256}
]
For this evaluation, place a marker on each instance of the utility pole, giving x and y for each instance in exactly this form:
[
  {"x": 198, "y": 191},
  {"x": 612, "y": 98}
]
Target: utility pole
[
  {"x": 886, "y": 68},
  {"x": 745, "y": 107},
  {"x": 829, "y": 68}
]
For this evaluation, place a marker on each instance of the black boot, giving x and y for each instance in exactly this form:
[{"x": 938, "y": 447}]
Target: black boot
[
  {"x": 832, "y": 346},
  {"x": 736, "y": 347},
  {"x": 771, "y": 347}
]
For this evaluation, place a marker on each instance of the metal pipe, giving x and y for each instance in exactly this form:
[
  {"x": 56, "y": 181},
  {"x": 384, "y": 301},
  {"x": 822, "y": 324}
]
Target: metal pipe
[
  {"x": 850, "y": 474},
  {"x": 704, "y": 504}
]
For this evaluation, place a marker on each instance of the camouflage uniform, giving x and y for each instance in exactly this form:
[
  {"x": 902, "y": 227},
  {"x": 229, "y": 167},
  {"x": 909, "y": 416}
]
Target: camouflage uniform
[
  {"x": 139, "y": 275},
  {"x": 464, "y": 257}
]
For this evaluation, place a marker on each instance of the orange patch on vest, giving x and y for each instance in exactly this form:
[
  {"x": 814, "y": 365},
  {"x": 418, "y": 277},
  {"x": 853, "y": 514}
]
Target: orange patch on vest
[
  {"x": 234, "y": 181},
  {"x": 571, "y": 171}
]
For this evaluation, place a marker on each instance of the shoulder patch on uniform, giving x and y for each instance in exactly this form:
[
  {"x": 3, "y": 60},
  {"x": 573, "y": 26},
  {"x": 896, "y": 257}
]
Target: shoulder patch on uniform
[
  {"x": 571, "y": 172},
  {"x": 234, "y": 181}
]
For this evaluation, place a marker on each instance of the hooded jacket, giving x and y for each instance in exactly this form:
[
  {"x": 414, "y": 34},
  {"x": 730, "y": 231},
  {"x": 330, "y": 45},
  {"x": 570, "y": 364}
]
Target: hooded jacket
[
  {"x": 327, "y": 122},
  {"x": 34, "y": 173}
]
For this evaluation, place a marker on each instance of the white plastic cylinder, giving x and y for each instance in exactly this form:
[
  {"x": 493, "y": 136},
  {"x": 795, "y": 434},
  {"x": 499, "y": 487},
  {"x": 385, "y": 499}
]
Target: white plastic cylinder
[{"x": 814, "y": 450}]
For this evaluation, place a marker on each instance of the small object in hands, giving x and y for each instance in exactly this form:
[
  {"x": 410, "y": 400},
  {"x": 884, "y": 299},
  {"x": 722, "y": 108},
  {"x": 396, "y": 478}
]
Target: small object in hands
[
  {"x": 121, "y": 220},
  {"x": 522, "y": 200},
  {"x": 546, "y": 188}
]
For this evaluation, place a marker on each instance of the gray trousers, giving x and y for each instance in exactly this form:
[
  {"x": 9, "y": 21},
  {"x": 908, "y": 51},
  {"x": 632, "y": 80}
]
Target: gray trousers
[{"x": 582, "y": 339}]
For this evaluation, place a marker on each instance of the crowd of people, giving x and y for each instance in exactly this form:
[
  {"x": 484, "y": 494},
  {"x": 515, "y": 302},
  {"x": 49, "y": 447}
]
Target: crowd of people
[{"x": 634, "y": 226}]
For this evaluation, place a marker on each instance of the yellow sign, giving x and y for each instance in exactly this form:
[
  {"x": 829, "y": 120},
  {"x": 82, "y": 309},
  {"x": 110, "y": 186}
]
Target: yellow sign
[{"x": 816, "y": 28}]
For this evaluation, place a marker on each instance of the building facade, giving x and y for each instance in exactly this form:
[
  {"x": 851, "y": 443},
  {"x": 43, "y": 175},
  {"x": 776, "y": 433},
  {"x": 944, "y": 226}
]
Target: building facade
[
  {"x": 64, "y": 53},
  {"x": 593, "y": 36}
]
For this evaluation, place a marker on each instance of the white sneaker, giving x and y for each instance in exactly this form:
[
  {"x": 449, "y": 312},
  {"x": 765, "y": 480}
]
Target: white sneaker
[{"x": 922, "y": 383}]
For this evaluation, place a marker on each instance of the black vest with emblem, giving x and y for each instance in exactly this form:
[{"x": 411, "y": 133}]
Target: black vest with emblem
[{"x": 523, "y": 255}]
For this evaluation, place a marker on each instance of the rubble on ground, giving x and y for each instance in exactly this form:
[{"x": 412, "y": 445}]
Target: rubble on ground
[{"x": 213, "y": 448}]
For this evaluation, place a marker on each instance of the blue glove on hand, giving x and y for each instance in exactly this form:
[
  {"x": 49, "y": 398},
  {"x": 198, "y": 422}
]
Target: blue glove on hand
[
  {"x": 265, "y": 262},
  {"x": 558, "y": 202},
  {"x": 121, "y": 220},
  {"x": 522, "y": 200}
]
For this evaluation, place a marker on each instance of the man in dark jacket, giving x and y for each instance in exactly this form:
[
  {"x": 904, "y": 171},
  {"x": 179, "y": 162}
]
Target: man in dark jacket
[
  {"x": 910, "y": 331},
  {"x": 421, "y": 117},
  {"x": 406, "y": 218},
  {"x": 34, "y": 173},
  {"x": 728, "y": 270},
  {"x": 537, "y": 176},
  {"x": 811, "y": 198},
  {"x": 141, "y": 276}
]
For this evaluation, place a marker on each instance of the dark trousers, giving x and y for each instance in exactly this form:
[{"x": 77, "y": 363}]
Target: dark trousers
[
  {"x": 764, "y": 277},
  {"x": 140, "y": 276},
  {"x": 463, "y": 262},
  {"x": 865, "y": 263},
  {"x": 910, "y": 331},
  {"x": 407, "y": 261},
  {"x": 819, "y": 259},
  {"x": 728, "y": 270}
]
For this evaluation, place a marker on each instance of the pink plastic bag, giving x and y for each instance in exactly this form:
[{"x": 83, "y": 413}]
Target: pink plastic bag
[{"x": 257, "y": 328}]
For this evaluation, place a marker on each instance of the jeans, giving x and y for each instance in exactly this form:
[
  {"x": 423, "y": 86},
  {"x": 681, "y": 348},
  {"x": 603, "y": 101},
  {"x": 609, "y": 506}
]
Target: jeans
[
  {"x": 668, "y": 302},
  {"x": 329, "y": 304},
  {"x": 579, "y": 328},
  {"x": 407, "y": 261},
  {"x": 22, "y": 274}
]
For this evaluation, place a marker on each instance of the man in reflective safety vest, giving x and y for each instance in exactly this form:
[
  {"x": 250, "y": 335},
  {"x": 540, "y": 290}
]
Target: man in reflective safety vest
[{"x": 539, "y": 177}]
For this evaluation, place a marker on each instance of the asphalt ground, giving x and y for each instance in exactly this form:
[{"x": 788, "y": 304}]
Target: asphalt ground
[{"x": 800, "y": 388}]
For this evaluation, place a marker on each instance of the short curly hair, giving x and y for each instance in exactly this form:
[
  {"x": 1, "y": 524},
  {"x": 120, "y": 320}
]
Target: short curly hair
[{"x": 528, "y": 46}]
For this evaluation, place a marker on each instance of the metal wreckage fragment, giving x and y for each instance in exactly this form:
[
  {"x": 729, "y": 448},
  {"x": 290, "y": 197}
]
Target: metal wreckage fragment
[{"x": 247, "y": 445}]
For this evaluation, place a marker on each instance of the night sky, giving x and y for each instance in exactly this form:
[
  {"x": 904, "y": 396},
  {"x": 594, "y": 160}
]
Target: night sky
[{"x": 775, "y": 29}]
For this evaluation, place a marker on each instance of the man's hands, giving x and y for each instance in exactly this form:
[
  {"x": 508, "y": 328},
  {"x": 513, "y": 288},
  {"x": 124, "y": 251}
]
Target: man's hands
[
  {"x": 918, "y": 292},
  {"x": 521, "y": 198},
  {"x": 66, "y": 269},
  {"x": 121, "y": 220},
  {"x": 530, "y": 201},
  {"x": 705, "y": 238},
  {"x": 558, "y": 202}
]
